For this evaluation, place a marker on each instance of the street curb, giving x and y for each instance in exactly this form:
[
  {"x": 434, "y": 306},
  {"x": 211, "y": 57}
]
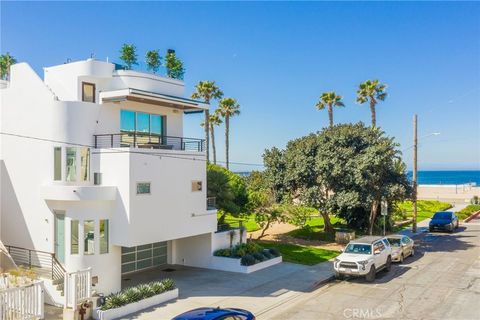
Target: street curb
[
  {"x": 473, "y": 216},
  {"x": 318, "y": 284}
]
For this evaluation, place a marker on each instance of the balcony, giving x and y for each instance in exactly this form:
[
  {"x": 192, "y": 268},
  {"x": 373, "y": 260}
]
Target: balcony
[{"x": 148, "y": 141}]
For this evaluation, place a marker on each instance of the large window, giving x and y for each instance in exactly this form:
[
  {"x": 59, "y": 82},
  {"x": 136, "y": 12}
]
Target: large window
[
  {"x": 89, "y": 236},
  {"x": 88, "y": 92},
  {"x": 74, "y": 237},
  {"x": 57, "y": 164},
  {"x": 71, "y": 164},
  {"x": 131, "y": 121},
  {"x": 84, "y": 164},
  {"x": 103, "y": 236}
]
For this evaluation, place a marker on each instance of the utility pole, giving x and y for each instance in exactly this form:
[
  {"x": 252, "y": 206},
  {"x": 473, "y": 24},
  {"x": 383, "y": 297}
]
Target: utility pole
[{"x": 414, "y": 200}]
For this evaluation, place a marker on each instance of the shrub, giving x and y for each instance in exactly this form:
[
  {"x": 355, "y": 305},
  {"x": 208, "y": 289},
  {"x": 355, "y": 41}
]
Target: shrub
[
  {"x": 168, "y": 284},
  {"x": 258, "y": 256},
  {"x": 475, "y": 200},
  {"x": 240, "y": 250},
  {"x": 252, "y": 247},
  {"x": 223, "y": 253},
  {"x": 247, "y": 260},
  {"x": 266, "y": 253},
  {"x": 274, "y": 252},
  {"x": 145, "y": 290},
  {"x": 137, "y": 293}
]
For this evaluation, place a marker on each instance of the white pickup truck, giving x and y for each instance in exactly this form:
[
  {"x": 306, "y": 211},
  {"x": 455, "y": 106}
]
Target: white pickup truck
[{"x": 364, "y": 257}]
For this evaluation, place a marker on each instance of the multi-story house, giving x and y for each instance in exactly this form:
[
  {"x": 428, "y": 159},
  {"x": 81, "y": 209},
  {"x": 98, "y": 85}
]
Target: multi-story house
[{"x": 96, "y": 172}]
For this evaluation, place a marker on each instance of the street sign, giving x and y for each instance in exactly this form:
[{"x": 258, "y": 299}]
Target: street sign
[{"x": 384, "y": 208}]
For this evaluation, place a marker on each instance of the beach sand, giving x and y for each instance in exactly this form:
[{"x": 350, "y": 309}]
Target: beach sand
[{"x": 448, "y": 193}]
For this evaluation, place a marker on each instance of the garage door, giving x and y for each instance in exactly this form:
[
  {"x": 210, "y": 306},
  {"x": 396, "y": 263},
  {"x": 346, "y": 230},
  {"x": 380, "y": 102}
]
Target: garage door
[{"x": 144, "y": 257}]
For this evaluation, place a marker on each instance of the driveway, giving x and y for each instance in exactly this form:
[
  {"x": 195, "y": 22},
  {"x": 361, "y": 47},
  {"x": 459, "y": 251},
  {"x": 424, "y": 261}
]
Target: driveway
[
  {"x": 258, "y": 292},
  {"x": 442, "y": 281}
]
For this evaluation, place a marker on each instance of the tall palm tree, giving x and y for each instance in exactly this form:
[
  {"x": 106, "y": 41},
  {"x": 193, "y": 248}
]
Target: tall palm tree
[
  {"x": 208, "y": 91},
  {"x": 6, "y": 61},
  {"x": 228, "y": 107},
  {"x": 214, "y": 120},
  {"x": 329, "y": 100},
  {"x": 372, "y": 91}
]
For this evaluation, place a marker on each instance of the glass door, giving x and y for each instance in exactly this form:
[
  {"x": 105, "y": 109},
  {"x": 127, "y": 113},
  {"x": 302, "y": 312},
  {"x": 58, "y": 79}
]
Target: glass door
[{"x": 60, "y": 236}]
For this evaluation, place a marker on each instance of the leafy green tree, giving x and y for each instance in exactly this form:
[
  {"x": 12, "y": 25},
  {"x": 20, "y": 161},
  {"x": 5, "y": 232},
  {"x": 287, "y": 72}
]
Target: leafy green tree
[
  {"x": 128, "y": 54},
  {"x": 256, "y": 181},
  {"x": 228, "y": 107},
  {"x": 275, "y": 168},
  {"x": 214, "y": 120},
  {"x": 362, "y": 167},
  {"x": 174, "y": 66},
  {"x": 6, "y": 61},
  {"x": 208, "y": 91},
  {"x": 329, "y": 100},
  {"x": 298, "y": 215},
  {"x": 153, "y": 60},
  {"x": 371, "y": 91},
  {"x": 265, "y": 209}
]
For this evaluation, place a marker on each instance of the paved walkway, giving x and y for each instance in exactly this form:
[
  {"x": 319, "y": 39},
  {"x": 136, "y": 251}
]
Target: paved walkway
[{"x": 258, "y": 292}]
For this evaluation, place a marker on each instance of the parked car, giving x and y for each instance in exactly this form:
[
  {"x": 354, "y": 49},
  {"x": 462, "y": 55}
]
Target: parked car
[
  {"x": 216, "y": 314},
  {"x": 402, "y": 247},
  {"x": 443, "y": 220},
  {"x": 364, "y": 257}
]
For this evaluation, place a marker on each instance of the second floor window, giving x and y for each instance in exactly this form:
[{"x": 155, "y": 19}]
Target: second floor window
[
  {"x": 143, "y": 188},
  {"x": 88, "y": 92},
  {"x": 131, "y": 121}
]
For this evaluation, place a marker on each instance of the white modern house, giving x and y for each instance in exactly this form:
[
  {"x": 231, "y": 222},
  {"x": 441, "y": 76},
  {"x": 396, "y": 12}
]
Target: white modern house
[{"x": 96, "y": 173}]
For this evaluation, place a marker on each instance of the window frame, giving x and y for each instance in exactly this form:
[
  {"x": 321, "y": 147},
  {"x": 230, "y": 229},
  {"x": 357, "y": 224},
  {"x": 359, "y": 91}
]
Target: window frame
[
  {"x": 85, "y": 249},
  {"x": 77, "y": 222},
  {"x": 94, "y": 91},
  {"x": 106, "y": 235},
  {"x": 144, "y": 193},
  {"x": 55, "y": 150}
]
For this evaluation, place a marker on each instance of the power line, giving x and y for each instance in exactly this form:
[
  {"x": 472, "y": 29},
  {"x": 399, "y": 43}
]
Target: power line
[{"x": 177, "y": 155}]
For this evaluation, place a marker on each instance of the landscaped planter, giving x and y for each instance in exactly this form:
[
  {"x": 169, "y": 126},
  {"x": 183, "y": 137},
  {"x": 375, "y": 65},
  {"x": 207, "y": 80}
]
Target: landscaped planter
[
  {"x": 99, "y": 314},
  {"x": 234, "y": 264}
]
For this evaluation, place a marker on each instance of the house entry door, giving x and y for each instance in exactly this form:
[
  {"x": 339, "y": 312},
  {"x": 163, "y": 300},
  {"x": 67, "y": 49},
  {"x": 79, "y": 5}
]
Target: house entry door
[{"x": 60, "y": 236}]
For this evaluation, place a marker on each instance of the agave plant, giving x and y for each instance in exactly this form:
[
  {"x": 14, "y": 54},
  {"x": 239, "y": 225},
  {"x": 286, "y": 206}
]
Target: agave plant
[
  {"x": 145, "y": 290},
  {"x": 168, "y": 284},
  {"x": 114, "y": 300},
  {"x": 132, "y": 295},
  {"x": 157, "y": 287}
]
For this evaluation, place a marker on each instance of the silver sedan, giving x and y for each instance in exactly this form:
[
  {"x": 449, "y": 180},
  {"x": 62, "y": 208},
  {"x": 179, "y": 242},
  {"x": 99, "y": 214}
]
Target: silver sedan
[{"x": 402, "y": 247}]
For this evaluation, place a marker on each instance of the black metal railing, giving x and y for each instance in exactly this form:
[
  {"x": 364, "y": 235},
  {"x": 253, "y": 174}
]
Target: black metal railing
[
  {"x": 230, "y": 225},
  {"x": 147, "y": 141},
  {"x": 45, "y": 264},
  {"x": 211, "y": 203}
]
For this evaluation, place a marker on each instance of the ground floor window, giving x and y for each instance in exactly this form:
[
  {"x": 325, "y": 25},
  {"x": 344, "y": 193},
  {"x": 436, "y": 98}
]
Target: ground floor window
[
  {"x": 144, "y": 257},
  {"x": 74, "y": 237}
]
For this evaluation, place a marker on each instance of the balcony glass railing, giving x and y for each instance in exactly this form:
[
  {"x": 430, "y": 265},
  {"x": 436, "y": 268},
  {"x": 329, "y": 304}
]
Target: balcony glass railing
[
  {"x": 142, "y": 67},
  {"x": 147, "y": 141}
]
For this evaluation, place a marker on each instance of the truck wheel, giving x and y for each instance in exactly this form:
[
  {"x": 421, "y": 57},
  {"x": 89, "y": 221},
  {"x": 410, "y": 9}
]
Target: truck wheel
[
  {"x": 370, "y": 277},
  {"x": 388, "y": 265},
  {"x": 401, "y": 258},
  {"x": 339, "y": 276}
]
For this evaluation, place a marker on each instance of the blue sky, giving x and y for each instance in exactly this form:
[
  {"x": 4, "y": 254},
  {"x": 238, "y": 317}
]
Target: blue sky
[{"x": 277, "y": 58}]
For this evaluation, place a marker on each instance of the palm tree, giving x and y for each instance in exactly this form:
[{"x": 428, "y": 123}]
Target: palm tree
[
  {"x": 329, "y": 100},
  {"x": 214, "y": 120},
  {"x": 372, "y": 91},
  {"x": 207, "y": 90},
  {"x": 228, "y": 107},
  {"x": 6, "y": 61}
]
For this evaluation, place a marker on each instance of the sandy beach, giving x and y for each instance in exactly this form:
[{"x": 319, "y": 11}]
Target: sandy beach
[{"x": 462, "y": 193}]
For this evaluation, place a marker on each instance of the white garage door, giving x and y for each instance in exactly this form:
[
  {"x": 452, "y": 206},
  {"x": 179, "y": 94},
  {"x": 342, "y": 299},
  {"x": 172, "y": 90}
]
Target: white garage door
[{"x": 144, "y": 257}]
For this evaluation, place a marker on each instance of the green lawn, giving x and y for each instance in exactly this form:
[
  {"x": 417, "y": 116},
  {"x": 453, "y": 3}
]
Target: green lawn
[
  {"x": 300, "y": 254},
  {"x": 314, "y": 229},
  {"x": 248, "y": 222},
  {"x": 468, "y": 211},
  {"x": 425, "y": 209}
]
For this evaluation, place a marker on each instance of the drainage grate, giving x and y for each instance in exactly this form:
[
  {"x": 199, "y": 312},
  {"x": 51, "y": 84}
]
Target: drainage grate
[{"x": 168, "y": 270}]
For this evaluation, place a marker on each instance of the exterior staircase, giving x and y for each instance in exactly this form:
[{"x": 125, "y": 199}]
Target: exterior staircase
[{"x": 47, "y": 267}]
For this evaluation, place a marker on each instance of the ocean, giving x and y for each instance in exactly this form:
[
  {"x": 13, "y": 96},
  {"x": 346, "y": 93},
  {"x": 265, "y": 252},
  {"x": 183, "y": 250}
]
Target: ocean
[
  {"x": 437, "y": 177},
  {"x": 448, "y": 177}
]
